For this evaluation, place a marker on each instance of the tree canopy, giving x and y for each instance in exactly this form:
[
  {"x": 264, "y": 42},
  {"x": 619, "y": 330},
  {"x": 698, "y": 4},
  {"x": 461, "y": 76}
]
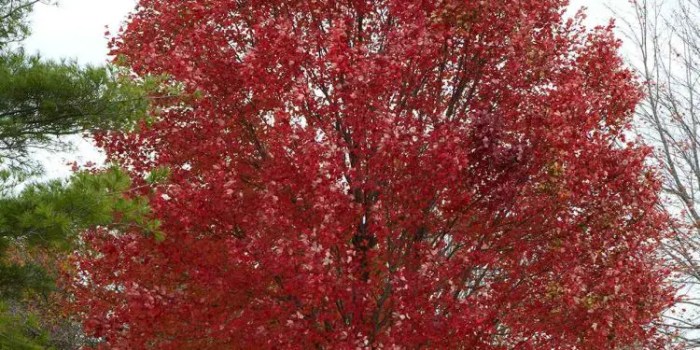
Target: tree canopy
[{"x": 380, "y": 174}]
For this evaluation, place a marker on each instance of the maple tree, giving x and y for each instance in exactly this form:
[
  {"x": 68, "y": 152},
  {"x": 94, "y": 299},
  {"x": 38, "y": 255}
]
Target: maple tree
[{"x": 384, "y": 174}]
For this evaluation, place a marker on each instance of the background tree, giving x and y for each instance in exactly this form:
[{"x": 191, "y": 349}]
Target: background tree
[
  {"x": 666, "y": 40},
  {"x": 41, "y": 101},
  {"x": 376, "y": 174},
  {"x": 13, "y": 27}
]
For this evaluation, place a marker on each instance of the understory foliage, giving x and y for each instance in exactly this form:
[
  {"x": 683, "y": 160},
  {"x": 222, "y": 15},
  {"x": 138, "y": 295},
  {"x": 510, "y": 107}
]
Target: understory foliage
[{"x": 382, "y": 174}]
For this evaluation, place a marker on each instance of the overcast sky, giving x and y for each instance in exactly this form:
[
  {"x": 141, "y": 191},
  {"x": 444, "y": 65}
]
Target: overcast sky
[{"x": 75, "y": 29}]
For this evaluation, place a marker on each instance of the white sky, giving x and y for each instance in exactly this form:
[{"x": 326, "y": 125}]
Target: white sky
[
  {"x": 597, "y": 10},
  {"x": 75, "y": 30}
]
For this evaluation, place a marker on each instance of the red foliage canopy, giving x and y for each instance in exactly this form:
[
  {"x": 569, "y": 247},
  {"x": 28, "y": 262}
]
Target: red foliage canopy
[{"x": 385, "y": 174}]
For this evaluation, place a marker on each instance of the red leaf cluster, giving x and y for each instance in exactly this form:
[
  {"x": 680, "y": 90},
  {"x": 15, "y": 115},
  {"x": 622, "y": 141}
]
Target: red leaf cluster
[{"x": 385, "y": 174}]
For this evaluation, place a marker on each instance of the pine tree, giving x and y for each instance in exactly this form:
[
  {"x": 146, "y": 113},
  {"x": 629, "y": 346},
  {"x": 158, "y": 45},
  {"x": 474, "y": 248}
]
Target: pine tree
[{"x": 40, "y": 102}]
